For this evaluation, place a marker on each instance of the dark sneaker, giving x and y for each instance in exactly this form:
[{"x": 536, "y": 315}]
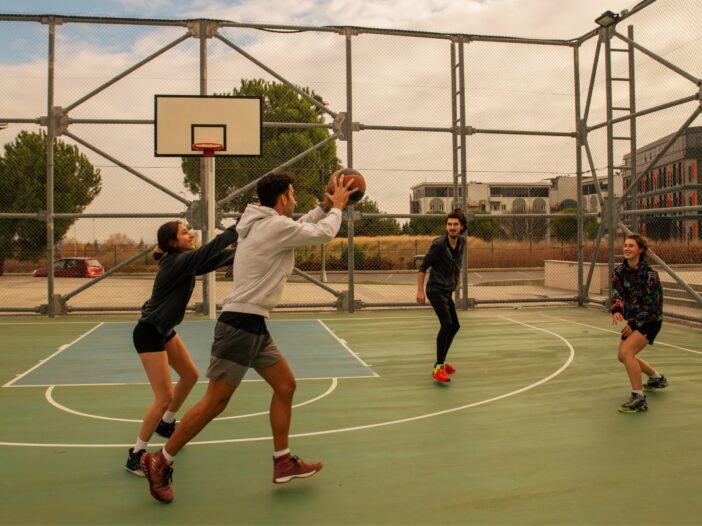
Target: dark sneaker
[
  {"x": 165, "y": 429},
  {"x": 635, "y": 404},
  {"x": 132, "y": 464},
  {"x": 290, "y": 467},
  {"x": 656, "y": 383},
  {"x": 159, "y": 474}
]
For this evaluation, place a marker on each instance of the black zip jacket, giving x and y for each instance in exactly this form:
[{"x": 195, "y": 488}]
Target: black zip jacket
[
  {"x": 445, "y": 269},
  {"x": 175, "y": 280}
]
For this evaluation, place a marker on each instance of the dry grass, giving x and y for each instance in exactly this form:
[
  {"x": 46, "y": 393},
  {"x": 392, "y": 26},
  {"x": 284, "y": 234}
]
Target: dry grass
[{"x": 399, "y": 252}]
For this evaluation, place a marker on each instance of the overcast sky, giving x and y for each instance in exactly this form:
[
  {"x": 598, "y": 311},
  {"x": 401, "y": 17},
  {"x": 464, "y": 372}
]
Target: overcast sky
[
  {"x": 541, "y": 18},
  {"x": 397, "y": 81}
]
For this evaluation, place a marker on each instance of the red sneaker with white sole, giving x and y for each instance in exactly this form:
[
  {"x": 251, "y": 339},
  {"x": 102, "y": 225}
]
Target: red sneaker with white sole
[{"x": 290, "y": 467}]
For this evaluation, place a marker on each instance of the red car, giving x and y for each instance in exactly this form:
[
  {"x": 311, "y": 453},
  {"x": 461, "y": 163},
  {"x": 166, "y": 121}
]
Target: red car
[{"x": 73, "y": 268}]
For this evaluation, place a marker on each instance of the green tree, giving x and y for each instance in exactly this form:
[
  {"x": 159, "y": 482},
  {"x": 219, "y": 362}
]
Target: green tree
[
  {"x": 423, "y": 226},
  {"x": 566, "y": 228},
  {"x": 280, "y": 104},
  {"x": 23, "y": 189},
  {"x": 371, "y": 226},
  {"x": 485, "y": 229}
]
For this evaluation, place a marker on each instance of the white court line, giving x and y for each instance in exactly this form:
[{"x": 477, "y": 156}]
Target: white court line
[
  {"x": 617, "y": 332},
  {"x": 343, "y": 344},
  {"x": 60, "y": 349},
  {"x": 46, "y": 323},
  {"x": 346, "y": 429},
  {"x": 49, "y": 397},
  {"x": 131, "y": 322},
  {"x": 109, "y": 384}
]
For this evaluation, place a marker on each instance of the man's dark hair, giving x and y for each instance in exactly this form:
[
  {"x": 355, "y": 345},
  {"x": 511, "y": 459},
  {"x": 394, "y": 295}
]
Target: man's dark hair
[
  {"x": 271, "y": 185},
  {"x": 458, "y": 214}
]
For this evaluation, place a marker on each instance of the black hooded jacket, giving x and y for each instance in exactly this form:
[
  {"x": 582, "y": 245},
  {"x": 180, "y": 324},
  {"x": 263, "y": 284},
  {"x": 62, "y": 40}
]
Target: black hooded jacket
[
  {"x": 175, "y": 280},
  {"x": 445, "y": 267}
]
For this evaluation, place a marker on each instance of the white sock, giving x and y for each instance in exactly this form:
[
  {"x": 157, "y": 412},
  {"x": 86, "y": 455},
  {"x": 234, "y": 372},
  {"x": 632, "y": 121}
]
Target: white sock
[
  {"x": 637, "y": 392},
  {"x": 168, "y": 417},
  {"x": 278, "y": 454},
  {"x": 140, "y": 444},
  {"x": 656, "y": 374},
  {"x": 169, "y": 458}
]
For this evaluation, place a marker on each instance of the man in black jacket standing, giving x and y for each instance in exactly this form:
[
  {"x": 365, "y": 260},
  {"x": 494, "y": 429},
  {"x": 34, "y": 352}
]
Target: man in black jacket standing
[{"x": 444, "y": 258}]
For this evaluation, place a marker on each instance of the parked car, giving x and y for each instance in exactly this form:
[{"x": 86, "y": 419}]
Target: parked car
[{"x": 73, "y": 268}]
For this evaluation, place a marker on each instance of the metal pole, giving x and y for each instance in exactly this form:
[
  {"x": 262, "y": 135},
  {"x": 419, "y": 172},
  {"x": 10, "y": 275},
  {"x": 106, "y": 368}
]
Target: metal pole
[
  {"x": 349, "y": 161},
  {"x": 207, "y": 176},
  {"x": 454, "y": 136},
  {"x": 634, "y": 201},
  {"x": 579, "y": 174},
  {"x": 606, "y": 33},
  {"x": 323, "y": 263},
  {"x": 50, "y": 248},
  {"x": 464, "y": 166}
]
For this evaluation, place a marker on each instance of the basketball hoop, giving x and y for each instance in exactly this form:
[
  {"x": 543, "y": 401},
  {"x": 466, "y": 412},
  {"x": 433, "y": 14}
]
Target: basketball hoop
[{"x": 208, "y": 149}]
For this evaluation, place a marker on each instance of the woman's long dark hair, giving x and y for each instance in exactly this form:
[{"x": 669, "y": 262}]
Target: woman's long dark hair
[{"x": 167, "y": 234}]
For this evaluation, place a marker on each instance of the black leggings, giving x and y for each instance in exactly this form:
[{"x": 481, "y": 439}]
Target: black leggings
[{"x": 446, "y": 312}]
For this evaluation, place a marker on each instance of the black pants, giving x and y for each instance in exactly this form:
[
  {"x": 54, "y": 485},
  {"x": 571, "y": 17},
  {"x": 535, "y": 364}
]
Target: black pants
[{"x": 446, "y": 312}]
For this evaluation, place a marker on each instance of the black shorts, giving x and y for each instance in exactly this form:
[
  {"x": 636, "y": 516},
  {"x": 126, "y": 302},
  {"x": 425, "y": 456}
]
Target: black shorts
[
  {"x": 148, "y": 339},
  {"x": 649, "y": 329}
]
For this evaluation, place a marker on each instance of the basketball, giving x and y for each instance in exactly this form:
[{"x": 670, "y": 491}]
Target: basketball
[{"x": 359, "y": 183}]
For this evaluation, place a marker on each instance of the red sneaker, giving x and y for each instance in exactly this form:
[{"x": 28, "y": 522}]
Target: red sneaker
[
  {"x": 289, "y": 467},
  {"x": 159, "y": 474},
  {"x": 449, "y": 368},
  {"x": 440, "y": 374}
]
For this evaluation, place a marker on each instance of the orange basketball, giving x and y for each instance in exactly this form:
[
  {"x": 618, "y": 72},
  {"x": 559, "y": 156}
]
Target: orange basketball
[{"x": 359, "y": 183}]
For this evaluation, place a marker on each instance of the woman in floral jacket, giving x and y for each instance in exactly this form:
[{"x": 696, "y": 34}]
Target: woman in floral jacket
[{"x": 637, "y": 299}]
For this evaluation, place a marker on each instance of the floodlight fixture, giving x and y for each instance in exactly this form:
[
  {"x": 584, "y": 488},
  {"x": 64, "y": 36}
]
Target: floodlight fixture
[{"x": 606, "y": 19}]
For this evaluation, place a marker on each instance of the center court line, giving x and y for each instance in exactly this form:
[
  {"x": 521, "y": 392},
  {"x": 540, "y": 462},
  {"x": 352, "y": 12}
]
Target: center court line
[
  {"x": 60, "y": 349},
  {"x": 49, "y": 397},
  {"x": 570, "y": 359},
  {"x": 617, "y": 332}
]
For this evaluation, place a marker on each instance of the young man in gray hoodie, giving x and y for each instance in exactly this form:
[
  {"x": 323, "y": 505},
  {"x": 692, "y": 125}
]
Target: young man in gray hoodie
[{"x": 265, "y": 259}]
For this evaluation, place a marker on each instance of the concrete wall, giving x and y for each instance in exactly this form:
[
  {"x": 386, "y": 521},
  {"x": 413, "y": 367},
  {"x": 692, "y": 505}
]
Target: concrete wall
[{"x": 564, "y": 275}]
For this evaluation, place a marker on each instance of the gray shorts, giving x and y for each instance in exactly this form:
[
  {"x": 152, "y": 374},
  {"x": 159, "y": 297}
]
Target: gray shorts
[{"x": 234, "y": 351}]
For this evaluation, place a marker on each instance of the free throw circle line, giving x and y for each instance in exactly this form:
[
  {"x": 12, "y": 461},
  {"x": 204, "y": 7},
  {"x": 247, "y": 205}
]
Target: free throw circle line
[{"x": 49, "y": 398}]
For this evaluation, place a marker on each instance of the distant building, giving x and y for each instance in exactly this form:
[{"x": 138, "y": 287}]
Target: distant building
[
  {"x": 675, "y": 181},
  {"x": 551, "y": 195}
]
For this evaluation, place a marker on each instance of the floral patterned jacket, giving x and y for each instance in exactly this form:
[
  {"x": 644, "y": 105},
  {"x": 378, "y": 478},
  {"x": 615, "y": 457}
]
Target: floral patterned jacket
[{"x": 637, "y": 293}]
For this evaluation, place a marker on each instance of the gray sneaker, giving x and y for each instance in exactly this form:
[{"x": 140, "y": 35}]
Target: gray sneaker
[
  {"x": 635, "y": 404},
  {"x": 656, "y": 383}
]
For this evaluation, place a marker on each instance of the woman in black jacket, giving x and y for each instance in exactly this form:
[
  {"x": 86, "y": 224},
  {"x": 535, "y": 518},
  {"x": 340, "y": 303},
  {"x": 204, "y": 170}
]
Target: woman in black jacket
[
  {"x": 155, "y": 339},
  {"x": 444, "y": 258}
]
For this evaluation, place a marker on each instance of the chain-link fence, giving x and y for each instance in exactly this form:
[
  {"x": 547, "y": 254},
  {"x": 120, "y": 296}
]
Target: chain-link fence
[{"x": 532, "y": 138}]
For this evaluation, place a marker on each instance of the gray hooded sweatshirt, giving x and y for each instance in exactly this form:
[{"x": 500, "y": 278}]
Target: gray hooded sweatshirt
[{"x": 265, "y": 254}]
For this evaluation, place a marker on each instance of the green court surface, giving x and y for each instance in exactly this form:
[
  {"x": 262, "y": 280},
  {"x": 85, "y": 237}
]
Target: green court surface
[{"x": 527, "y": 431}]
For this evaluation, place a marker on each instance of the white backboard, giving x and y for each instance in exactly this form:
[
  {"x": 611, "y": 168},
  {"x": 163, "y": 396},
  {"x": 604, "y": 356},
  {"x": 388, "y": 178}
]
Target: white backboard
[{"x": 182, "y": 120}]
